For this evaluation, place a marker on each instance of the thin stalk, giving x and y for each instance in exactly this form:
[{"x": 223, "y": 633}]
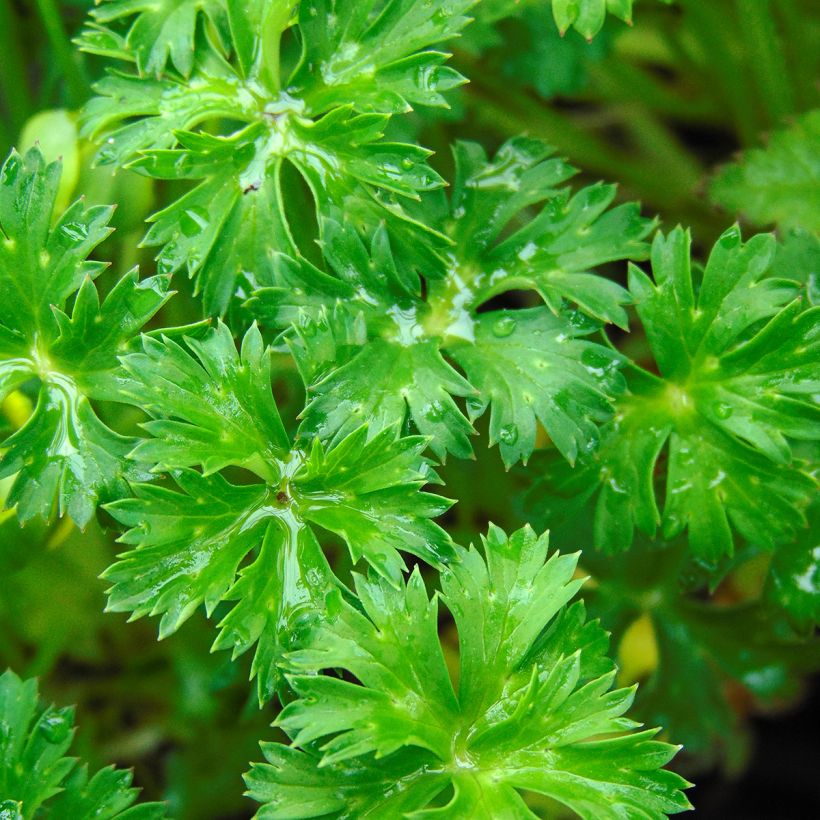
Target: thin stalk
[
  {"x": 765, "y": 58},
  {"x": 64, "y": 54},
  {"x": 711, "y": 26},
  {"x": 13, "y": 86},
  {"x": 802, "y": 53},
  {"x": 619, "y": 81}
]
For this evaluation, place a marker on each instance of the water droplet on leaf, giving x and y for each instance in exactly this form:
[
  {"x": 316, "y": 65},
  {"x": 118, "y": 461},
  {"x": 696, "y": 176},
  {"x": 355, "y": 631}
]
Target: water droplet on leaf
[
  {"x": 730, "y": 238},
  {"x": 723, "y": 410},
  {"x": 504, "y": 326},
  {"x": 193, "y": 221},
  {"x": 55, "y": 727},
  {"x": 435, "y": 411},
  {"x": 508, "y": 434}
]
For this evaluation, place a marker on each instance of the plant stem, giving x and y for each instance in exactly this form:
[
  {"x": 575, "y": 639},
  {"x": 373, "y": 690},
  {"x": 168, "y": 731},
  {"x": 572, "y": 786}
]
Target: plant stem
[
  {"x": 804, "y": 62},
  {"x": 13, "y": 86},
  {"x": 765, "y": 58},
  {"x": 65, "y": 56},
  {"x": 712, "y": 26}
]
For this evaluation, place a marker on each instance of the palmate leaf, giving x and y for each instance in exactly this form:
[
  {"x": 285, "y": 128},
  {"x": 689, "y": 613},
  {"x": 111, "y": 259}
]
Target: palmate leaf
[
  {"x": 38, "y": 780},
  {"x": 531, "y": 710},
  {"x": 738, "y": 365},
  {"x": 371, "y": 347},
  {"x": 230, "y": 123},
  {"x": 212, "y": 407},
  {"x": 377, "y": 54},
  {"x": 527, "y": 370},
  {"x": 163, "y": 31},
  {"x": 777, "y": 185},
  {"x": 63, "y": 452}
]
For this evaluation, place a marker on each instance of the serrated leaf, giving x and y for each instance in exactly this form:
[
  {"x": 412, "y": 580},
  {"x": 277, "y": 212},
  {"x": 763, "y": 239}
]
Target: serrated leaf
[
  {"x": 777, "y": 185},
  {"x": 384, "y": 383},
  {"x": 533, "y": 367},
  {"x": 162, "y": 32},
  {"x": 36, "y": 775},
  {"x": 213, "y": 408},
  {"x": 588, "y": 16},
  {"x": 737, "y": 358},
  {"x": 42, "y": 262},
  {"x": 63, "y": 453},
  {"x": 376, "y": 55},
  {"x": 224, "y": 229},
  {"x": 552, "y": 253},
  {"x": 404, "y": 712},
  {"x": 370, "y": 346},
  {"x": 231, "y": 126}
]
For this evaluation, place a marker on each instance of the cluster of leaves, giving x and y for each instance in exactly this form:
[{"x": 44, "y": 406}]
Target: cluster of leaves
[
  {"x": 736, "y": 350},
  {"x": 37, "y": 780},
  {"x": 365, "y": 323},
  {"x": 395, "y": 335},
  {"x": 534, "y": 709},
  {"x": 212, "y": 408},
  {"x": 322, "y": 110}
]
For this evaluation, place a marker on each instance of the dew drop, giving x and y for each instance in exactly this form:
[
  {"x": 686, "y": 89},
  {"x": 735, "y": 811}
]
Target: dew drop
[
  {"x": 730, "y": 238},
  {"x": 435, "y": 411},
  {"x": 508, "y": 434},
  {"x": 10, "y": 810},
  {"x": 55, "y": 727},
  {"x": 407, "y": 164},
  {"x": 723, "y": 410},
  {"x": 475, "y": 406},
  {"x": 504, "y": 326},
  {"x": 193, "y": 221}
]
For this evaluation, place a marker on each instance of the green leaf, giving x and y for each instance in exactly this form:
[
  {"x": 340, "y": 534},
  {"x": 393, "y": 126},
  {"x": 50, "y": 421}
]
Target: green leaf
[
  {"x": 777, "y": 185},
  {"x": 377, "y": 54},
  {"x": 163, "y": 32},
  {"x": 44, "y": 256},
  {"x": 63, "y": 451},
  {"x": 519, "y": 648},
  {"x": 531, "y": 366},
  {"x": 384, "y": 383},
  {"x": 794, "y": 578},
  {"x": 588, "y": 16},
  {"x": 221, "y": 229},
  {"x": 35, "y": 774},
  {"x": 553, "y": 252},
  {"x": 737, "y": 360},
  {"x": 370, "y": 347},
  {"x": 730, "y": 648},
  {"x": 225, "y": 122},
  {"x": 213, "y": 408}
]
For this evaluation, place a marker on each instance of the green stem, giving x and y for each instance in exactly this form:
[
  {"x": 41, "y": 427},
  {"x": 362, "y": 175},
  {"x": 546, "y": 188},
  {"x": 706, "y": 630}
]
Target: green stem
[
  {"x": 765, "y": 59},
  {"x": 13, "y": 73},
  {"x": 64, "y": 54},
  {"x": 722, "y": 69},
  {"x": 619, "y": 81},
  {"x": 802, "y": 52}
]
